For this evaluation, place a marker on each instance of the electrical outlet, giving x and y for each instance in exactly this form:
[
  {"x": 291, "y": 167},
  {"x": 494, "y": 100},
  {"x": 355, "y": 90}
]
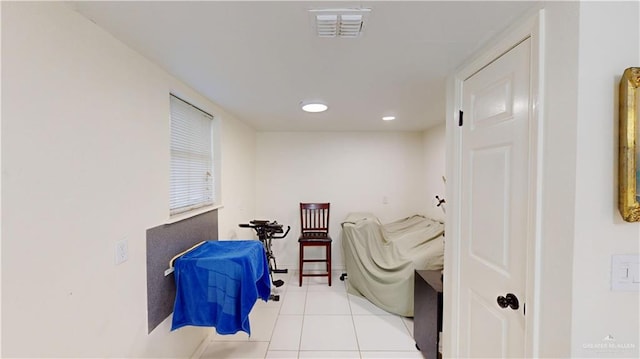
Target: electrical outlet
[{"x": 122, "y": 251}]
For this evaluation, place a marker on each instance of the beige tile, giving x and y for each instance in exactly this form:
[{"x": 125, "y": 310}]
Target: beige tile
[
  {"x": 293, "y": 284},
  {"x": 235, "y": 350},
  {"x": 322, "y": 283},
  {"x": 317, "y": 321},
  {"x": 281, "y": 354},
  {"x": 270, "y": 303},
  {"x": 327, "y": 303},
  {"x": 353, "y": 354},
  {"x": 362, "y": 306},
  {"x": 293, "y": 302},
  {"x": 415, "y": 354},
  {"x": 263, "y": 321},
  {"x": 286, "y": 333},
  {"x": 289, "y": 281},
  {"x": 408, "y": 322},
  {"x": 328, "y": 332},
  {"x": 382, "y": 332}
]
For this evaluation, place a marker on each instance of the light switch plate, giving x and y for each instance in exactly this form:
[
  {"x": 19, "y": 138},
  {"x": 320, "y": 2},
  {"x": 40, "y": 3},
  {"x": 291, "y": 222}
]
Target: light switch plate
[{"x": 625, "y": 272}]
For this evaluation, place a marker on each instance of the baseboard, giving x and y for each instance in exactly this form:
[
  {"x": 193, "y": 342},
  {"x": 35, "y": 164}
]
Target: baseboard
[{"x": 203, "y": 345}]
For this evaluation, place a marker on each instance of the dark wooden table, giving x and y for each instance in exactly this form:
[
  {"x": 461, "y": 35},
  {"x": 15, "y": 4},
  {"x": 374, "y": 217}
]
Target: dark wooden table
[{"x": 427, "y": 312}]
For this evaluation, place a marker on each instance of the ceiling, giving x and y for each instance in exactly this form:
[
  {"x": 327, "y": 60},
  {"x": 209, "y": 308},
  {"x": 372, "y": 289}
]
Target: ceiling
[{"x": 259, "y": 60}]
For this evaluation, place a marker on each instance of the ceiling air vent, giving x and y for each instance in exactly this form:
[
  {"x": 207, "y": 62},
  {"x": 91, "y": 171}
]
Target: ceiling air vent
[{"x": 345, "y": 23}]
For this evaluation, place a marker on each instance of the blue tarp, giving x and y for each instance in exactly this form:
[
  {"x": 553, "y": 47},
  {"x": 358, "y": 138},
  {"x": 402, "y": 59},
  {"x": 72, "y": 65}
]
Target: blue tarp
[{"x": 218, "y": 283}]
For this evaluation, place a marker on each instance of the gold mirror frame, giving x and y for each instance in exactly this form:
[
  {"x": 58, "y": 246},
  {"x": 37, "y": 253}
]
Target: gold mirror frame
[{"x": 629, "y": 98}]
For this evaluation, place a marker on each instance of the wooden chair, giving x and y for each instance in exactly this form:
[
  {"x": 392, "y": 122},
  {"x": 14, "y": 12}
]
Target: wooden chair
[{"x": 314, "y": 232}]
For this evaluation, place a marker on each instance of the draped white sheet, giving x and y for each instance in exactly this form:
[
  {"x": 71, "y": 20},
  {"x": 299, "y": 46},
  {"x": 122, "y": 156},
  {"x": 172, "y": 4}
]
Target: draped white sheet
[{"x": 381, "y": 258}]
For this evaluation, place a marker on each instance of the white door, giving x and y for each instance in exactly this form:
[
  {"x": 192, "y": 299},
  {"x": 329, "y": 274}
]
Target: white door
[{"x": 495, "y": 187}]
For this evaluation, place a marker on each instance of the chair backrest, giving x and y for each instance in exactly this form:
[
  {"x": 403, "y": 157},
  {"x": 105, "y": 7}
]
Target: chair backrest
[{"x": 314, "y": 217}]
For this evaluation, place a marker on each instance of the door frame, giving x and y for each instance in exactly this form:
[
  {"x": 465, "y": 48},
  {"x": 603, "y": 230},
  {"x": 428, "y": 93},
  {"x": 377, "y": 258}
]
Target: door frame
[{"x": 531, "y": 27}]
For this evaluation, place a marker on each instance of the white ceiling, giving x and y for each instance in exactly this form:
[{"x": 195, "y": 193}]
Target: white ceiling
[{"x": 259, "y": 60}]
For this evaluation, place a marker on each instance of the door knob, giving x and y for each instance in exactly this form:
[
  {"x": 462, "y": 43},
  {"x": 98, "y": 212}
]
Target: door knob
[{"x": 510, "y": 300}]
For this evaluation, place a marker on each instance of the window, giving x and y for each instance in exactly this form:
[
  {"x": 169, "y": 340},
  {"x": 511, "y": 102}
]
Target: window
[{"x": 193, "y": 177}]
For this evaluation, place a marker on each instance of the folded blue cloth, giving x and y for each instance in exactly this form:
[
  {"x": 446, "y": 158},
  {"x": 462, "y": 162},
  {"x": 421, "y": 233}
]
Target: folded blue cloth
[{"x": 218, "y": 283}]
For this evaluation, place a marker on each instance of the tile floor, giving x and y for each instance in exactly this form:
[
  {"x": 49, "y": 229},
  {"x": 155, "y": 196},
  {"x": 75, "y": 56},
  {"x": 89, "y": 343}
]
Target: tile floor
[{"x": 317, "y": 321}]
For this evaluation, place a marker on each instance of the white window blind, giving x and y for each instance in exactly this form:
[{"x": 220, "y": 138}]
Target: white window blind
[{"x": 192, "y": 172}]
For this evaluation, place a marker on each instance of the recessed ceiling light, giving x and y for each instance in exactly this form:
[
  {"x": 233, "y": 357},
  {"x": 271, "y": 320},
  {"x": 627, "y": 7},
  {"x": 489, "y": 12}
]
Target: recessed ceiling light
[
  {"x": 389, "y": 118},
  {"x": 314, "y": 107}
]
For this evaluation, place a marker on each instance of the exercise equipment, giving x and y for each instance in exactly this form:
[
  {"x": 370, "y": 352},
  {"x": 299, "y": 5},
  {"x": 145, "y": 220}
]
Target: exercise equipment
[{"x": 266, "y": 231}]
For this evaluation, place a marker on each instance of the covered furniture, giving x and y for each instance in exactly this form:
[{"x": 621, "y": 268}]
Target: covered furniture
[
  {"x": 381, "y": 258},
  {"x": 314, "y": 232},
  {"x": 218, "y": 283}
]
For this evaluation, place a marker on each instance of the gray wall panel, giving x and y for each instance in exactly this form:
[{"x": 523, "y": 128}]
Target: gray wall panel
[{"x": 164, "y": 242}]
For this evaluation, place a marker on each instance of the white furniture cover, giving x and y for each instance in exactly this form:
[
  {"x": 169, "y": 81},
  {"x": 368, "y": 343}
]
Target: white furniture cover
[{"x": 381, "y": 258}]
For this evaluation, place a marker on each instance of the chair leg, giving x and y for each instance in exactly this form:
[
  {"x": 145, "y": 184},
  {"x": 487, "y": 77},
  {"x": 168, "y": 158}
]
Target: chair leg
[
  {"x": 329, "y": 263},
  {"x": 301, "y": 261}
]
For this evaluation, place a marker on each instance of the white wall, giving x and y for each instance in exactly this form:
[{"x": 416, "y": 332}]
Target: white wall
[
  {"x": 587, "y": 46},
  {"x": 354, "y": 171},
  {"x": 238, "y": 177},
  {"x": 434, "y": 141},
  {"x": 605, "y": 51},
  {"x": 559, "y": 116},
  {"x": 85, "y": 162}
]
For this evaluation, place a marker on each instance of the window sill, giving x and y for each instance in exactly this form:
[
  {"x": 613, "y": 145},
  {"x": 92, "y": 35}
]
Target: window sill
[{"x": 182, "y": 216}]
